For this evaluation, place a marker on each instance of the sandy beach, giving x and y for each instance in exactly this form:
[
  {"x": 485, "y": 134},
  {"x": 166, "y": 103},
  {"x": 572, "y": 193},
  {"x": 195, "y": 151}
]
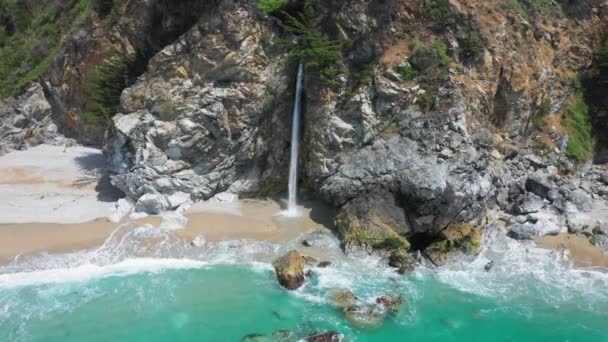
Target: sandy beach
[
  {"x": 256, "y": 219},
  {"x": 582, "y": 252},
  {"x": 58, "y": 199},
  {"x": 55, "y": 184}
]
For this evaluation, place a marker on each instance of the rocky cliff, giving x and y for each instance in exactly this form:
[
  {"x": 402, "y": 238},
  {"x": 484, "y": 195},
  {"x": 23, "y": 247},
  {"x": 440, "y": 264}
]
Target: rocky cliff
[{"x": 436, "y": 111}]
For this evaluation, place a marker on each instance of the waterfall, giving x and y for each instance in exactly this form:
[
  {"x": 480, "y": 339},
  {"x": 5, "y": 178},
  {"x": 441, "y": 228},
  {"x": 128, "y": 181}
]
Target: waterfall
[{"x": 295, "y": 142}]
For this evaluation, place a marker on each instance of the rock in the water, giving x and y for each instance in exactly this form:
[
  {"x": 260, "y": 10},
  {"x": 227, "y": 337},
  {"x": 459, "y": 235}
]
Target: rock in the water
[
  {"x": 323, "y": 238},
  {"x": 365, "y": 315},
  {"x": 277, "y": 336},
  {"x": 343, "y": 298},
  {"x": 324, "y": 264},
  {"x": 489, "y": 266},
  {"x": 459, "y": 237},
  {"x": 392, "y": 303},
  {"x": 329, "y": 336},
  {"x": 289, "y": 270},
  {"x": 402, "y": 261}
]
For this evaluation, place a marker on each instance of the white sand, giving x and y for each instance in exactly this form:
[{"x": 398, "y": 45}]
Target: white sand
[{"x": 53, "y": 184}]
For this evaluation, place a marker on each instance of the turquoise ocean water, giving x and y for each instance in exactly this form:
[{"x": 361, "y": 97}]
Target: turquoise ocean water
[{"x": 530, "y": 296}]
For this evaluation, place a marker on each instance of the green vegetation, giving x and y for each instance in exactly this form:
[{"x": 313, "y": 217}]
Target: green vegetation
[
  {"x": 108, "y": 80},
  {"x": 441, "y": 13},
  {"x": 392, "y": 242},
  {"x": 472, "y": 43},
  {"x": 406, "y": 71},
  {"x": 541, "y": 112},
  {"x": 30, "y": 32},
  {"x": 442, "y": 52},
  {"x": 416, "y": 45},
  {"x": 524, "y": 8},
  {"x": 312, "y": 46},
  {"x": 577, "y": 123},
  {"x": 518, "y": 7},
  {"x": 272, "y": 6}
]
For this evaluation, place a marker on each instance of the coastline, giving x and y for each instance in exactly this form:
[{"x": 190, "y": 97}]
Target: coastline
[
  {"x": 256, "y": 220},
  {"x": 581, "y": 251}
]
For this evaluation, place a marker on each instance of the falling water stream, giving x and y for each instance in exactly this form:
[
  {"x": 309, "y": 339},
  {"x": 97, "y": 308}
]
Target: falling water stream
[{"x": 292, "y": 209}]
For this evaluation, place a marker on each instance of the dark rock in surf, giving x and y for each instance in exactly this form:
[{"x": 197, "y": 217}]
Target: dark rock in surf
[
  {"x": 330, "y": 336},
  {"x": 290, "y": 270}
]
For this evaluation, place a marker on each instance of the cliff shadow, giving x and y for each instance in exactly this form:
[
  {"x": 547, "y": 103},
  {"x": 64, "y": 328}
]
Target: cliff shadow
[{"x": 93, "y": 166}]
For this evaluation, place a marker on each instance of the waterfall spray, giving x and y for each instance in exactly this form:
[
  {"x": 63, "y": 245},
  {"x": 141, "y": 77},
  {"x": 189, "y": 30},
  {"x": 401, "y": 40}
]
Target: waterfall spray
[{"x": 295, "y": 139}]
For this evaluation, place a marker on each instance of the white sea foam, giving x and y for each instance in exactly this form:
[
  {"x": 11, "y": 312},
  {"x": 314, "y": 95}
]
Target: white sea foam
[
  {"x": 92, "y": 271},
  {"x": 521, "y": 268}
]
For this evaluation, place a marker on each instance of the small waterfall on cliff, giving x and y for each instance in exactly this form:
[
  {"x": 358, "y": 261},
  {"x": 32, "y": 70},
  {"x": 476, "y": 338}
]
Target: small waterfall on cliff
[{"x": 295, "y": 142}]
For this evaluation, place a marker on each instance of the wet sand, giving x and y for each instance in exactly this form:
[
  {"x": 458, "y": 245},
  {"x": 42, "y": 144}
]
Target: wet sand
[
  {"x": 51, "y": 237},
  {"x": 257, "y": 220},
  {"x": 582, "y": 252}
]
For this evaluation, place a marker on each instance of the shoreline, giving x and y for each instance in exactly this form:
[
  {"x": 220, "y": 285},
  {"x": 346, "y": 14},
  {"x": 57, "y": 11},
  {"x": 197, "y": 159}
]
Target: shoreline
[
  {"x": 582, "y": 253},
  {"x": 257, "y": 220}
]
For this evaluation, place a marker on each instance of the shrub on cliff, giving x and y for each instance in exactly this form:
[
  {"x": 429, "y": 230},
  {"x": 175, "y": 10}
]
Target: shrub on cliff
[
  {"x": 107, "y": 81},
  {"x": 312, "y": 46},
  {"x": 272, "y": 6},
  {"x": 577, "y": 123}
]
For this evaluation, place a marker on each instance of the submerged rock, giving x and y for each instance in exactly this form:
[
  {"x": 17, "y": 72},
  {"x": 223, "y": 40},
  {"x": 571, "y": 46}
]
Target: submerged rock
[
  {"x": 277, "y": 336},
  {"x": 324, "y": 264},
  {"x": 364, "y": 315},
  {"x": 330, "y": 336},
  {"x": 392, "y": 304},
  {"x": 343, "y": 298},
  {"x": 289, "y": 270}
]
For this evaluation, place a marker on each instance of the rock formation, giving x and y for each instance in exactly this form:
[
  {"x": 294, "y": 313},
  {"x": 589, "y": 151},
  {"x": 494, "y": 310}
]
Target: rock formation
[
  {"x": 289, "y": 270},
  {"x": 439, "y": 113}
]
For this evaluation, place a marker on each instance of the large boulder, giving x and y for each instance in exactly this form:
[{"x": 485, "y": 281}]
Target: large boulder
[
  {"x": 26, "y": 121},
  {"x": 455, "y": 238},
  {"x": 375, "y": 219},
  {"x": 289, "y": 270},
  {"x": 539, "y": 185}
]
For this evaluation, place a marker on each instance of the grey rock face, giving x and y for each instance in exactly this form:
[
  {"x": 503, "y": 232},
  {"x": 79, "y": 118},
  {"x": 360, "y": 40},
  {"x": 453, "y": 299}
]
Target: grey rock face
[
  {"x": 26, "y": 121},
  {"x": 531, "y": 204},
  {"x": 545, "y": 222},
  {"x": 600, "y": 240},
  {"x": 604, "y": 177},
  {"x": 539, "y": 186},
  {"x": 581, "y": 200},
  {"x": 152, "y": 204},
  {"x": 204, "y": 118}
]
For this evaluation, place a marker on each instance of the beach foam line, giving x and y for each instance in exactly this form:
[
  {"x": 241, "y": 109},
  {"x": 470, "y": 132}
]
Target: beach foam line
[{"x": 87, "y": 272}]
